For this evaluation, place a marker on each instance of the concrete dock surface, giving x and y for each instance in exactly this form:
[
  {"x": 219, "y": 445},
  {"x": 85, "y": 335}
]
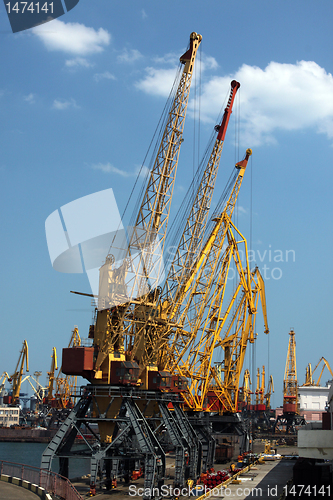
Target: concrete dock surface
[
  {"x": 265, "y": 481},
  {"x": 10, "y": 491}
]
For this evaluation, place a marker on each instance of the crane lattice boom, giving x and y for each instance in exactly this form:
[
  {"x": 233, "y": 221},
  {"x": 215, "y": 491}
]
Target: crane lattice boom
[{"x": 18, "y": 374}]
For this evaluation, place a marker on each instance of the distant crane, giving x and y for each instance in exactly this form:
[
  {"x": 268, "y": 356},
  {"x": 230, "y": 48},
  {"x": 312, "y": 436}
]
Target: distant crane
[
  {"x": 290, "y": 417},
  {"x": 50, "y": 374},
  {"x": 39, "y": 391},
  {"x": 290, "y": 395},
  {"x": 246, "y": 387},
  {"x": 37, "y": 375},
  {"x": 258, "y": 391},
  {"x": 309, "y": 380},
  {"x": 270, "y": 389},
  {"x": 3, "y": 379},
  {"x": 262, "y": 388},
  {"x": 65, "y": 385},
  {"x": 16, "y": 378}
]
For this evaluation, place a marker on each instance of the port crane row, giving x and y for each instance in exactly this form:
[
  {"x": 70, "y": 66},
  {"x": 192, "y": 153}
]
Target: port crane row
[
  {"x": 61, "y": 390},
  {"x": 52, "y": 401},
  {"x": 151, "y": 364}
]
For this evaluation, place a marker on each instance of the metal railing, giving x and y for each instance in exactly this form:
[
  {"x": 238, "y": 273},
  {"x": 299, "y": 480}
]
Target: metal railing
[{"x": 53, "y": 483}]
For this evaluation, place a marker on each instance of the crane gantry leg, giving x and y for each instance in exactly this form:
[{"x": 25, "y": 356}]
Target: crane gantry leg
[
  {"x": 179, "y": 442},
  {"x": 134, "y": 440}
]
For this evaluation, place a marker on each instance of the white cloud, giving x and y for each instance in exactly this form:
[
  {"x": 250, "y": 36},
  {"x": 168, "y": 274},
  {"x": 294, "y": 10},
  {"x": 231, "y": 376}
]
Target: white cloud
[
  {"x": 241, "y": 210},
  {"x": 72, "y": 38},
  {"x": 170, "y": 58},
  {"x": 30, "y": 98},
  {"x": 279, "y": 97},
  {"x": 143, "y": 14},
  {"x": 129, "y": 56},
  {"x": 142, "y": 171},
  {"x": 208, "y": 62},
  {"x": 101, "y": 76},
  {"x": 157, "y": 82},
  {"x": 110, "y": 169},
  {"x": 78, "y": 61},
  {"x": 64, "y": 104},
  {"x": 203, "y": 63},
  {"x": 160, "y": 81}
]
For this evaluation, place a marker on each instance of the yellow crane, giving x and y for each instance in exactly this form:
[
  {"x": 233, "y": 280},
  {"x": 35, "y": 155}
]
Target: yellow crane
[
  {"x": 199, "y": 322},
  {"x": 257, "y": 391},
  {"x": 39, "y": 391},
  {"x": 308, "y": 376},
  {"x": 154, "y": 332},
  {"x": 65, "y": 385},
  {"x": 290, "y": 385},
  {"x": 214, "y": 259},
  {"x": 16, "y": 378},
  {"x": 245, "y": 390},
  {"x": 270, "y": 389},
  {"x": 262, "y": 387},
  {"x": 50, "y": 374},
  {"x": 233, "y": 341},
  {"x": 3, "y": 379},
  {"x": 309, "y": 380},
  {"x": 247, "y": 387},
  {"x": 120, "y": 332},
  {"x": 260, "y": 395},
  {"x": 290, "y": 418}
]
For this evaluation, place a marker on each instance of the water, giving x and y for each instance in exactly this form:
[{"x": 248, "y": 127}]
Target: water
[{"x": 31, "y": 454}]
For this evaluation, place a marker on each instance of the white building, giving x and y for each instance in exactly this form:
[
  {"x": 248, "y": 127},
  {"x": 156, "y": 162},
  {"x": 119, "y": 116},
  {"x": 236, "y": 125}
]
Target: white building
[
  {"x": 318, "y": 443},
  {"x": 313, "y": 401},
  {"x": 9, "y": 416}
]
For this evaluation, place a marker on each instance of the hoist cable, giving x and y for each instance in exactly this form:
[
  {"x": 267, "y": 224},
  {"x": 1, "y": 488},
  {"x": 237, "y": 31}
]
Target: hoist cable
[
  {"x": 200, "y": 89},
  {"x": 251, "y": 194},
  {"x": 268, "y": 355}
]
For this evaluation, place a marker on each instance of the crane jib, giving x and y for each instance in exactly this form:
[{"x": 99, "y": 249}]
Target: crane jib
[{"x": 228, "y": 110}]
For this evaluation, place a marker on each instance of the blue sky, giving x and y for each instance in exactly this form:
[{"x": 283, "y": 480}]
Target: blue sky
[{"x": 80, "y": 98}]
